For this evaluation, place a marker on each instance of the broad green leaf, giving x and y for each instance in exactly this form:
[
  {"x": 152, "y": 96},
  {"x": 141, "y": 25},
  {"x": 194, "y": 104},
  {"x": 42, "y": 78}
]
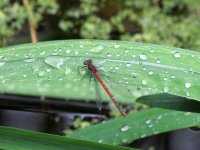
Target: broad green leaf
[
  {"x": 138, "y": 125},
  {"x": 170, "y": 102},
  {"x": 52, "y": 69},
  {"x": 18, "y": 139}
]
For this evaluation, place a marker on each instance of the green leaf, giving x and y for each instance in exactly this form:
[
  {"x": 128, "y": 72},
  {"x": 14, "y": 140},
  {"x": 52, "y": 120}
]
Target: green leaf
[
  {"x": 18, "y": 139},
  {"x": 138, "y": 125},
  {"x": 51, "y": 69},
  {"x": 170, "y": 102}
]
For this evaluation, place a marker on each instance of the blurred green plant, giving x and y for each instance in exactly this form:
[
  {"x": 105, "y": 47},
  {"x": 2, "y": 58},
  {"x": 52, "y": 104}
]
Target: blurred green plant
[
  {"x": 13, "y": 16},
  {"x": 174, "y": 23}
]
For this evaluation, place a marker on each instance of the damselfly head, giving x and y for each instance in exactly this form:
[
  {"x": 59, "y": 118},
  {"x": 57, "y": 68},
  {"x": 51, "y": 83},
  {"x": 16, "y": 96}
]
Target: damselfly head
[{"x": 89, "y": 61}]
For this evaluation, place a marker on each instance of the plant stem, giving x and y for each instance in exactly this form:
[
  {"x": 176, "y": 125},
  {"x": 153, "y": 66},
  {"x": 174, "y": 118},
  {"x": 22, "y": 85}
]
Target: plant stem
[{"x": 32, "y": 29}]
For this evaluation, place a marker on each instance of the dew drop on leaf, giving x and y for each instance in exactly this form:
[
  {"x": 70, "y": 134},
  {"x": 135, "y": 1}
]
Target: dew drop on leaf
[
  {"x": 42, "y": 53},
  {"x": 97, "y": 49},
  {"x": 100, "y": 141},
  {"x": 48, "y": 70},
  {"x": 117, "y": 55},
  {"x": 150, "y": 125},
  {"x": 124, "y": 140},
  {"x": 177, "y": 55},
  {"x": 41, "y": 73},
  {"x": 187, "y": 94},
  {"x": 67, "y": 70},
  {"x": 109, "y": 55},
  {"x": 55, "y": 61},
  {"x": 29, "y": 60},
  {"x": 159, "y": 117},
  {"x": 143, "y": 135},
  {"x": 166, "y": 89},
  {"x": 165, "y": 79},
  {"x": 144, "y": 82},
  {"x": 173, "y": 76},
  {"x": 128, "y": 65},
  {"x": 150, "y": 72},
  {"x": 148, "y": 121},
  {"x": 2, "y": 64},
  {"x": 188, "y": 85},
  {"x": 68, "y": 51},
  {"x": 143, "y": 57},
  {"x": 158, "y": 61},
  {"x": 116, "y": 68},
  {"x": 187, "y": 113},
  {"x": 24, "y": 75},
  {"x": 116, "y": 46},
  {"x": 124, "y": 128}
]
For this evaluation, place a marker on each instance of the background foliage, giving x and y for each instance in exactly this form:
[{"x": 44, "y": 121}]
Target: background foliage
[{"x": 171, "y": 22}]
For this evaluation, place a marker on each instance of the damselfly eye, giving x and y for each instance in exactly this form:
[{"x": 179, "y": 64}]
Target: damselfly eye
[{"x": 89, "y": 61}]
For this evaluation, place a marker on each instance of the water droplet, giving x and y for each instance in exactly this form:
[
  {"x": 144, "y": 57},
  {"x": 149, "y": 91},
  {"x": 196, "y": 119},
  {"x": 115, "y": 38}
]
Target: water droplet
[
  {"x": 1, "y": 57},
  {"x": 55, "y": 61},
  {"x": 159, "y": 117},
  {"x": 143, "y": 135},
  {"x": 128, "y": 65},
  {"x": 165, "y": 79},
  {"x": 125, "y": 128},
  {"x": 97, "y": 49},
  {"x": 126, "y": 51},
  {"x": 48, "y": 70},
  {"x": 100, "y": 141},
  {"x": 158, "y": 61},
  {"x": 116, "y": 68},
  {"x": 117, "y": 55},
  {"x": 143, "y": 57},
  {"x": 41, "y": 73},
  {"x": 188, "y": 113},
  {"x": 151, "y": 125},
  {"x": 42, "y": 53},
  {"x": 150, "y": 72},
  {"x": 81, "y": 46},
  {"x": 144, "y": 68},
  {"x": 2, "y": 64},
  {"x": 68, "y": 51},
  {"x": 24, "y": 75},
  {"x": 4, "y": 81},
  {"x": 109, "y": 55},
  {"x": 116, "y": 46},
  {"x": 165, "y": 89},
  {"x": 67, "y": 70},
  {"x": 144, "y": 82},
  {"x": 151, "y": 51},
  {"x": 188, "y": 85},
  {"x": 148, "y": 121},
  {"x": 177, "y": 55},
  {"x": 188, "y": 94},
  {"x": 29, "y": 60},
  {"x": 173, "y": 76},
  {"x": 124, "y": 140}
]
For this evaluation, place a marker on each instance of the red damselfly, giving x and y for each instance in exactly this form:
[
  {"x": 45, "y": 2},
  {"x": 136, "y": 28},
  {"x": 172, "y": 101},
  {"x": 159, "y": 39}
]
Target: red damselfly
[{"x": 94, "y": 72}]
